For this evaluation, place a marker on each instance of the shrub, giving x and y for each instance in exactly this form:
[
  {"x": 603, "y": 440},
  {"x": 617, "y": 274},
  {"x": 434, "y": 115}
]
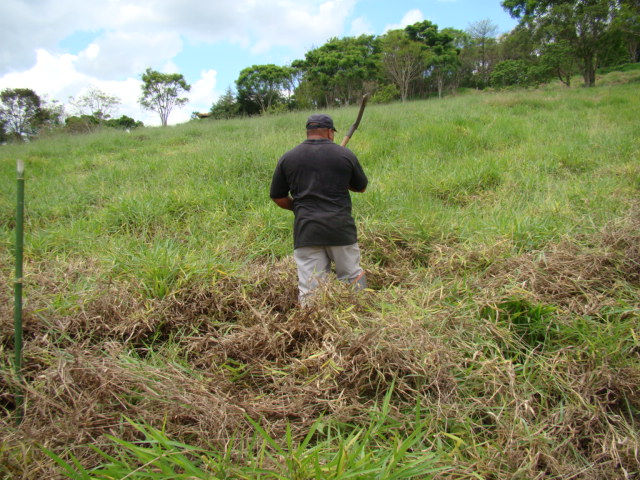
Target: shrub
[
  {"x": 516, "y": 73},
  {"x": 81, "y": 124},
  {"x": 124, "y": 122},
  {"x": 386, "y": 94}
]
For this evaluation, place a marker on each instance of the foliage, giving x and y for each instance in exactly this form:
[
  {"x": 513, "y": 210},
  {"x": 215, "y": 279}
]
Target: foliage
[
  {"x": 511, "y": 72},
  {"x": 123, "y": 123},
  {"x": 584, "y": 25},
  {"x": 439, "y": 50},
  {"x": 264, "y": 85},
  {"x": 3, "y": 133},
  {"x": 89, "y": 123},
  {"x": 226, "y": 106},
  {"x": 162, "y": 91},
  {"x": 81, "y": 123},
  {"x": 21, "y": 112},
  {"x": 386, "y": 94},
  {"x": 627, "y": 21},
  {"x": 403, "y": 60},
  {"x": 95, "y": 102},
  {"x": 556, "y": 57},
  {"x": 336, "y": 72}
]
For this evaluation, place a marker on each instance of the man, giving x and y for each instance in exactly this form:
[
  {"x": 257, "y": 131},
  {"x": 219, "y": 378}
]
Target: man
[{"x": 319, "y": 174}]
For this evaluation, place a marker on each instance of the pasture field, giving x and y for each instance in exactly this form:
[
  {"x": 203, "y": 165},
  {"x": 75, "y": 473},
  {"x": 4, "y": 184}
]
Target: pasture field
[{"x": 499, "y": 338}]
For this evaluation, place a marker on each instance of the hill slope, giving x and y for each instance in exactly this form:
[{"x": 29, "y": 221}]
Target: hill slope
[{"x": 500, "y": 236}]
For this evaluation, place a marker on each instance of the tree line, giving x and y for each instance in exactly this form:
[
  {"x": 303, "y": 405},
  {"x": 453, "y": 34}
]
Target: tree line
[{"x": 553, "y": 39}]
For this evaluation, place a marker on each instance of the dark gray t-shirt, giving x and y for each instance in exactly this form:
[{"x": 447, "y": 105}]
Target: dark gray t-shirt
[{"x": 318, "y": 174}]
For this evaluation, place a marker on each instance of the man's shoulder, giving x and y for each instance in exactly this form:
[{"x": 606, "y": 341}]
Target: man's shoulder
[{"x": 334, "y": 149}]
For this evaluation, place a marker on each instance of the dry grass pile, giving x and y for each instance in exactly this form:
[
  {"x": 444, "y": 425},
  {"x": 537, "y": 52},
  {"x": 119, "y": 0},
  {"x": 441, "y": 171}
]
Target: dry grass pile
[
  {"x": 203, "y": 359},
  {"x": 582, "y": 280},
  {"x": 522, "y": 373}
]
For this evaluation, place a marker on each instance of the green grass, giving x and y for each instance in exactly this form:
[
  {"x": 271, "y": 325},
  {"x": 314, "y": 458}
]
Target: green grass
[
  {"x": 499, "y": 234},
  {"x": 529, "y": 166},
  {"x": 382, "y": 450}
]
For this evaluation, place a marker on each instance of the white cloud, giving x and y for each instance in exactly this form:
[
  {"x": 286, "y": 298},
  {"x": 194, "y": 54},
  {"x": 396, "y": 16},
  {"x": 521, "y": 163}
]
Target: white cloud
[
  {"x": 411, "y": 17},
  {"x": 131, "y": 36},
  {"x": 57, "y": 77},
  {"x": 361, "y": 26},
  {"x": 149, "y": 32},
  {"x": 120, "y": 54}
]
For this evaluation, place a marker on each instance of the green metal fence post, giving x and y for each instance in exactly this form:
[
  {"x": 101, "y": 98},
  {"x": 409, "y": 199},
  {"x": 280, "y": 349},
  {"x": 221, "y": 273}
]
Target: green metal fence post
[{"x": 17, "y": 312}]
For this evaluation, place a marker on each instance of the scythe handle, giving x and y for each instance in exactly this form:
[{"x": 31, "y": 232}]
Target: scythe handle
[{"x": 354, "y": 127}]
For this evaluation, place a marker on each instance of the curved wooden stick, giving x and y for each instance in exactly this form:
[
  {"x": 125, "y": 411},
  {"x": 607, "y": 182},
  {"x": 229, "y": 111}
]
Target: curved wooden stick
[{"x": 363, "y": 103}]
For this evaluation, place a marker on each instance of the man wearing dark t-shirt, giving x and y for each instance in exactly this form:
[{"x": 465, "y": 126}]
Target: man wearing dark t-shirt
[{"x": 319, "y": 174}]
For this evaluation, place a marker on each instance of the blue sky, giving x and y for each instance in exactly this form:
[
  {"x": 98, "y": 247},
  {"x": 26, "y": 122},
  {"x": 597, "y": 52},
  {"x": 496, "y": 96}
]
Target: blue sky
[{"x": 61, "y": 48}]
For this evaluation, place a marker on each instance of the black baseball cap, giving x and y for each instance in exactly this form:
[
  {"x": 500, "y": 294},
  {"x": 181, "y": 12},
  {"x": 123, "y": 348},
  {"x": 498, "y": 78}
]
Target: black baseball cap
[{"x": 320, "y": 120}]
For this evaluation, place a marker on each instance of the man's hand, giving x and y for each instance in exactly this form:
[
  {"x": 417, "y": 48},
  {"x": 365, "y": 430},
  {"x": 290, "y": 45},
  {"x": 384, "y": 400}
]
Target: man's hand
[
  {"x": 284, "y": 202},
  {"x": 357, "y": 191}
]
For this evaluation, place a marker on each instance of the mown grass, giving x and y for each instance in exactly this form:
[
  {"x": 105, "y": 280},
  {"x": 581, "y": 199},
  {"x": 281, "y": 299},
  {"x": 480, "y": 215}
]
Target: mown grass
[{"x": 500, "y": 237}]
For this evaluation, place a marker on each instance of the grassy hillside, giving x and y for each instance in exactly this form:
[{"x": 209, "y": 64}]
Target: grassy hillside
[{"x": 499, "y": 338}]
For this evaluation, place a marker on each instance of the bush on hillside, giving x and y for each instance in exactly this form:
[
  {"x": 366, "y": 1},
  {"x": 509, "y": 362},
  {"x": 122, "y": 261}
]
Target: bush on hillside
[
  {"x": 81, "y": 123},
  {"x": 124, "y": 123},
  {"x": 517, "y": 73},
  {"x": 89, "y": 123},
  {"x": 386, "y": 94}
]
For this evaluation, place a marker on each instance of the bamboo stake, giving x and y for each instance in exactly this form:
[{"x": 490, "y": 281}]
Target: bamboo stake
[{"x": 17, "y": 312}]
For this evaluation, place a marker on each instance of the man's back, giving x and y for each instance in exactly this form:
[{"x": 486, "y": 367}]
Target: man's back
[{"x": 318, "y": 174}]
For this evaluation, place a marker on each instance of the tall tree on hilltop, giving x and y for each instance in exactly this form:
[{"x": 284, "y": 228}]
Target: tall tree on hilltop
[
  {"x": 162, "y": 91},
  {"x": 402, "y": 60},
  {"x": 584, "y": 25},
  {"x": 439, "y": 50},
  {"x": 97, "y": 103},
  {"x": 263, "y": 84},
  {"x": 337, "y": 72},
  {"x": 483, "y": 36}
]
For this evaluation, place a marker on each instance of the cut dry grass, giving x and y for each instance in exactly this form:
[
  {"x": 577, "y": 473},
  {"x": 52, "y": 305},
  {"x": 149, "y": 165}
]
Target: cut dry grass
[{"x": 199, "y": 362}]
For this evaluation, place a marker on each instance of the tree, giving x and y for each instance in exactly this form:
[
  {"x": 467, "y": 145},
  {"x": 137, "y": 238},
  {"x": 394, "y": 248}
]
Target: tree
[
  {"x": 263, "y": 84},
  {"x": 402, "y": 60},
  {"x": 557, "y": 58},
  {"x": 439, "y": 50},
  {"x": 20, "y": 112},
  {"x": 462, "y": 42},
  {"x": 515, "y": 72},
  {"x": 337, "y": 73},
  {"x": 584, "y": 25},
  {"x": 226, "y": 106},
  {"x": 628, "y": 22},
  {"x": 484, "y": 43},
  {"x": 162, "y": 91},
  {"x": 97, "y": 103}
]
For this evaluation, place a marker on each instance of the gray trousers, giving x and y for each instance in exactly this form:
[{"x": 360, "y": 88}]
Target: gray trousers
[{"x": 314, "y": 264}]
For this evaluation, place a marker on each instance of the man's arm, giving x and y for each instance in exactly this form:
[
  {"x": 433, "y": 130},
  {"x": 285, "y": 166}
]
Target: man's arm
[
  {"x": 284, "y": 202},
  {"x": 357, "y": 191}
]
